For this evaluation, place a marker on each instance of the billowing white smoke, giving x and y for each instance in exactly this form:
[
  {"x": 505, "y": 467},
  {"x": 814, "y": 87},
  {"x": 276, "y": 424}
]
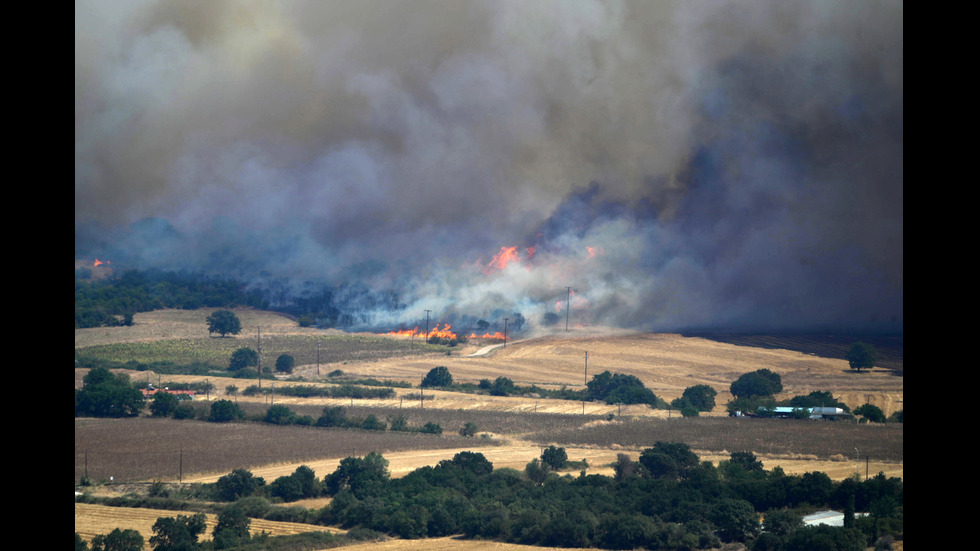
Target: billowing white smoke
[{"x": 677, "y": 164}]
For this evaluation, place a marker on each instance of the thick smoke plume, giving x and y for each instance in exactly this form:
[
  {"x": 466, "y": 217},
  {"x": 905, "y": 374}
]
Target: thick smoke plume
[{"x": 678, "y": 165}]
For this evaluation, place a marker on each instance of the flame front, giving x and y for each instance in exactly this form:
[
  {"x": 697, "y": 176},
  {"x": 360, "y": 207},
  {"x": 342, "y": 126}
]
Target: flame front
[{"x": 443, "y": 333}]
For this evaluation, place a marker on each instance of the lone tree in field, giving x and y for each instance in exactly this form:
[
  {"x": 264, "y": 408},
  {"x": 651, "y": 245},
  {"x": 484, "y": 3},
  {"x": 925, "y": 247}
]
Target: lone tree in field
[
  {"x": 862, "y": 356},
  {"x": 438, "y": 376},
  {"x": 761, "y": 382},
  {"x": 242, "y": 358},
  {"x": 285, "y": 363},
  {"x": 224, "y": 322}
]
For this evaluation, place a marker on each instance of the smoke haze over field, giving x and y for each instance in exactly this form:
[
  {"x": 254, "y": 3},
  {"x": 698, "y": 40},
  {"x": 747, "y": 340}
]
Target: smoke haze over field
[{"x": 679, "y": 165}]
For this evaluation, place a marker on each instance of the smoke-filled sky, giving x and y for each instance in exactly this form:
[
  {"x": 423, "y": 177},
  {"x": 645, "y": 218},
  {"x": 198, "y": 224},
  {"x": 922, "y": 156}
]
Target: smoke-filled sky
[{"x": 678, "y": 164}]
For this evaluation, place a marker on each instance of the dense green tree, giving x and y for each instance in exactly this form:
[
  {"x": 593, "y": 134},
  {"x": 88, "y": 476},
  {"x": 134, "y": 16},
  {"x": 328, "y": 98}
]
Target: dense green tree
[
  {"x": 224, "y": 322},
  {"x": 184, "y": 410},
  {"x": 782, "y": 522},
  {"x": 825, "y": 538},
  {"x": 178, "y": 533},
  {"x": 286, "y": 488},
  {"x": 871, "y": 412},
  {"x": 431, "y": 428},
  {"x": 237, "y": 484},
  {"x": 761, "y": 382},
  {"x": 469, "y": 429},
  {"x": 746, "y": 460},
  {"x": 735, "y": 519},
  {"x": 702, "y": 397},
  {"x": 118, "y": 540},
  {"x": 473, "y": 462},
  {"x": 233, "y": 528},
  {"x": 371, "y": 422},
  {"x": 618, "y": 388},
  {"x": 243, "y": 357},
  {"x": 163, "y": 404},
  {"x": 223, "y": 411},
  {"x": 862, "y": 355},
  {"x": 502, "y": 386},
  {"x": 554, "y": 457},
  {"x": 280, "y": 415},
  {"x": 106, "y": 395},
  {"x": 669, "y": 460},
  {"x": 536, "y": 471},
  {"x": 362, "y": 476},
  {"x": 627, "y": 531},
  {"x": 285, "y": 363},
  {"x": 437, "y": 377}
]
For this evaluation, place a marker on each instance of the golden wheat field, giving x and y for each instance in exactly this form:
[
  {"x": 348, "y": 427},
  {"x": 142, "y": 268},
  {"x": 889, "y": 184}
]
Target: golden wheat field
[{"x": 666, "y": 363}]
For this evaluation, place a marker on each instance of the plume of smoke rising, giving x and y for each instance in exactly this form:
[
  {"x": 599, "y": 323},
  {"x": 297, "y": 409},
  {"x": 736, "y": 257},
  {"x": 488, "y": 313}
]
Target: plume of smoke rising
[{"x": 679, "y": 165}]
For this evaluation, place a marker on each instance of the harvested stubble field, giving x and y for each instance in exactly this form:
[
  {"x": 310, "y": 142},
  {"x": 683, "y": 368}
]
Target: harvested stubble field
[
  {"x": 92, "y": 520},
  {"x": 515, "y": 428}
]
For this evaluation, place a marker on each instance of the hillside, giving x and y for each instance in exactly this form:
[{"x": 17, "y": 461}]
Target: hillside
[
  {"x": 515, "y": 428},
  {"x": 666, "y": 363}
]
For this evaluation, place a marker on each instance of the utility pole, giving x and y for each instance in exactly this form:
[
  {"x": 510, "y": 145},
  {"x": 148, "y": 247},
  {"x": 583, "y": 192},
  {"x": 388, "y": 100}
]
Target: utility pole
[
  {"x": 568, "y": 298},
  {"x": 425, "y": 339},
  {"x": 505, "y": 332},
  {"x": 586, "y": 367},
  {"x": 317, "y": 358},
  {"x": 259, "y": 346}
]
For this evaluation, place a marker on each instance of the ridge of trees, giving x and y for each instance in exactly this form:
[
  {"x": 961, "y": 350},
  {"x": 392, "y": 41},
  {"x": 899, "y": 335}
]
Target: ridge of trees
[
  {"x": 113, "y": 301},
  {"x": 666, "y": 499}
]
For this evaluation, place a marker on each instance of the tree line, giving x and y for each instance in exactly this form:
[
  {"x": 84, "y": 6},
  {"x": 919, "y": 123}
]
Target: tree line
[
  {"x": 665, "y": 499},
  {"x": 113, "y": 301}
]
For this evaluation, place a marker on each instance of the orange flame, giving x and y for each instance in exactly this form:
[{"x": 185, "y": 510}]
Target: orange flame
[
  {"x": 444, "y": 333},
  {"x": 503, "y": 258},
  {"x": 498, "y": 335}
]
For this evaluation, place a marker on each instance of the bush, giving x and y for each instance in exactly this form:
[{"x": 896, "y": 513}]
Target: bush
[
  {"x": 243, "y": 357},
  {"x": 118, "y": 540},
  {"x": 224, "y": 411},
  {"x": 237, "y": 484},
  {"x": 184, "y": 411},
  {"x": 437, "y": 376},
  {"x": 871, "y": 413},
  {"x": 761, "y": 382},
  {"x": 163, "y": 404},
  {"x": 285, "y": 363},
  {"x": 620, "y": 389},
  {"x": 280, "y": 415},
  {"x": 335, "y": 416},
  {"x": 554, "y": 457},
  {"x": 432, "y": 428}
]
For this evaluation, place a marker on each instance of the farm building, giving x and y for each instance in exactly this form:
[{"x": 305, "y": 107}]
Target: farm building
[
  {"x": 828, "y": 518},
  {"x": 831, "y": 413}
]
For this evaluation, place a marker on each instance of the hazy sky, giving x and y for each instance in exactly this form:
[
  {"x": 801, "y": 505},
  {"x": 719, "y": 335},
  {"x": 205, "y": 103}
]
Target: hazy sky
[{"x": 678, "y": 164}]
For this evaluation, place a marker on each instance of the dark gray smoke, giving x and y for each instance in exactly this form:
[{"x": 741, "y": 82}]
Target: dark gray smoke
[{"x": 733, "y": 165}]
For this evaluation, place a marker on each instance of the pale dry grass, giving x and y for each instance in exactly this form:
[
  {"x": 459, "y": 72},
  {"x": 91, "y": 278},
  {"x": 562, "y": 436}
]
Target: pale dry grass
[{"x": 92, "y": 520}]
